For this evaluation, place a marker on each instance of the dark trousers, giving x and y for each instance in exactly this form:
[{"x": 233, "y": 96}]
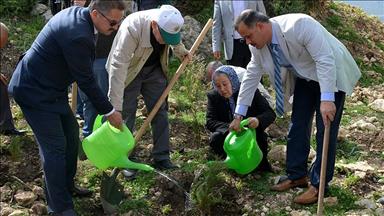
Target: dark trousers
[
  {"x": 305, "y": 103},
  {"x": 6, "y": 121},
  {"x": 151, "y": 83},
  {"x": 216, "y": 142},
  {"x": 241, "y": 54},
  {"x": 58, "y": 139}
]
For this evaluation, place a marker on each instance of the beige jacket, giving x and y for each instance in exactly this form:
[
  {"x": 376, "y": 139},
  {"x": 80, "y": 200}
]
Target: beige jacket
[{"x": 130, "y": 50}]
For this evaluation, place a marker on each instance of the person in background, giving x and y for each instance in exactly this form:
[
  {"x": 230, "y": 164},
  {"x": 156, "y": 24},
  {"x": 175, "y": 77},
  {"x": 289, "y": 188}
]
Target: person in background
[
  {"x": 138, "y": 65},
  {"x": 323, "y": 72},
  {"x": 7, "y": 126},
  {"x": 224, "y": 14},
  {"x": 58, "y": 5},
  {"x": 213, "y": 65},
  {"x": 63, "y": 53},
  {"x": 103, "y": 47},
  {"x": 220, "y": 109},
  {"x": 140, "y": 5}
]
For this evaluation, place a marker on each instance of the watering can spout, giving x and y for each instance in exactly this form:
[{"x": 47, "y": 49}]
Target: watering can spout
[{"x": 124, "y": 162}]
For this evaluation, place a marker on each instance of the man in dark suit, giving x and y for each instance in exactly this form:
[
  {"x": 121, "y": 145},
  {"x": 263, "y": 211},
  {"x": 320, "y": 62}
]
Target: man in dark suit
[{"x": 61, "y": 54}]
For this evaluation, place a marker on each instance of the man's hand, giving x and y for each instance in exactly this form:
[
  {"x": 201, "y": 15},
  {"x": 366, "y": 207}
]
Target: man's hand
[
  {"x": 235, "y": 125},
  {"x": 328, "y": 111},
  {"x": 116, "y": 120},
  {"x": 253, "y": 122},
  {"x": 217, "y": 55},
  {"x": 188, "y": 57}
]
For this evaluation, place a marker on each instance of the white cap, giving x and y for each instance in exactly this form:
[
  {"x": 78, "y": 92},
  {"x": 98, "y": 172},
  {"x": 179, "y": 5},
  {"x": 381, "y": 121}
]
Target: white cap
[{"x": 170, "y": 21}]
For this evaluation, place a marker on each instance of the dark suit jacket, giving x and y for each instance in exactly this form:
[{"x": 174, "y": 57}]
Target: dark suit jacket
[
  {"x": 62, "y": 53},
  {"x": 219, "y": 114}
]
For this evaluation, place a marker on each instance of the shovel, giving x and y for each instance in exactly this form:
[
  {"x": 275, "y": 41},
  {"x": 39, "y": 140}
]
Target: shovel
[
  {"x": 110, "y": 201},
  {"x": 323, "y": 170}
]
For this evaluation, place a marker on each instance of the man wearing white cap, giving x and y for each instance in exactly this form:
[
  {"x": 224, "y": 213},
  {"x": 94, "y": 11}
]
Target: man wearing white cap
[{"x": 137, "y": 64}]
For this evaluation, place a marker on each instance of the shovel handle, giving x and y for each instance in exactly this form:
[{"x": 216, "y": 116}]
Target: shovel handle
[
  {"x": 323, "y": 171},
  {"x": 74, "y": 97}
]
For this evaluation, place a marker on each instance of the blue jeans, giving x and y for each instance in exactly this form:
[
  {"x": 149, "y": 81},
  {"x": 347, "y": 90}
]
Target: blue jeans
[
  {"x": 90, "y": 112},
  {"x": 305, "y": 103}
]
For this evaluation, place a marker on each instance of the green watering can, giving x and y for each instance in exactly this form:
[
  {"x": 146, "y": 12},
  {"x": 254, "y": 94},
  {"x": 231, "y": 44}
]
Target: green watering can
[
  {"x": 243, "y": 153},
  {"x": 107, "y": 147}
]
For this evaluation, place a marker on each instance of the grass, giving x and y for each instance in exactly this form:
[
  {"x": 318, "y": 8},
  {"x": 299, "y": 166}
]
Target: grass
[
  {"x": 348, "y": 151},
  {"x": 23, "y": 30}
]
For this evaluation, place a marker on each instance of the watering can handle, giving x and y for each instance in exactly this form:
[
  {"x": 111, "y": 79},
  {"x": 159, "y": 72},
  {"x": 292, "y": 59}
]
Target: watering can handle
[
  {"x": 244, "y": 122},
  {"x": 232, "y": 133}
]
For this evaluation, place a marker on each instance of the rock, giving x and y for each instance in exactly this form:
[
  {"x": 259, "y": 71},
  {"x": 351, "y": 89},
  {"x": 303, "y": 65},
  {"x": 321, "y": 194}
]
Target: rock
[
  {"x": 381, "y": 200},
  {"x": 366, "y": 203},
  {"x": 363, "y": 125},
  {"x": 39, "y": 208},
  {"x": 300, "y": 213},
  {"x": 358, "y": 166},
  {"x": 264, "y": 209},
  {"x": 38, "y": 191},
  {"x": 38, "y": 9},
  {"x": 19, "y": 213},
  {"x": 360, "y": 174},
  {"x": 365, "y": 212},
  {"x": 379, "y": 211},
  {"x": 288, "y": 209},
  {"x": 6, "y": 193},
  {"x": 5, "y": 211},
  {"x": 47, "y": 15},
  {"x": 189, "y": 33},
  {"x": 240, "y": 201},
  {"x": 342, "y": 135},
  {"x": 330, "y": 201},
  {"x": 278, "y": 153},
  {"x": 377, "y": 105},
  {"x": 25, "y": 198}
]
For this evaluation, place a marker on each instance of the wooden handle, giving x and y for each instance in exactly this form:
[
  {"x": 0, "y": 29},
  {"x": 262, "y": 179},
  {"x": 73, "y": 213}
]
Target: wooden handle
[
  {"x": 74, "y": 97},
  {"x": 323, "y": 171},
  {"x": 179, "y": 71}
]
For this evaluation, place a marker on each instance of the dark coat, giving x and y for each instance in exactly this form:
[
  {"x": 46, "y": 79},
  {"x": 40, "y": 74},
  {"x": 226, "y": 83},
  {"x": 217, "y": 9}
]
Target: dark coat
[
  {"x": 62, "y": 53},
  {"x": 219, "y": 114}
]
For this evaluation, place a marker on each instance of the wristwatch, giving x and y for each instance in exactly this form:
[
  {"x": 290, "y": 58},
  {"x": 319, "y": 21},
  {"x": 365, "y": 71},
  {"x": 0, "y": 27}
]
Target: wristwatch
[{"x": 237, "y": 116}]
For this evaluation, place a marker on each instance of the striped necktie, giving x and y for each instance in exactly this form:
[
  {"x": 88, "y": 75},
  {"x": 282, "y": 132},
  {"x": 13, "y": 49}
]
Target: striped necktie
[{"x": 274, "y": 48}]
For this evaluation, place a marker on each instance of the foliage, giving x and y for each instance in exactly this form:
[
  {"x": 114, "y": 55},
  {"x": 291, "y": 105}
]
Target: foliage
[
  {"x": 346, "y": 200},
  {"x": 188, "y": 93},
  {"x": 348, "y": 151},
  {"x": 23, "y": 30},
  {"x": 207, "y": 189},
  {"x": 16, "y": 7}
]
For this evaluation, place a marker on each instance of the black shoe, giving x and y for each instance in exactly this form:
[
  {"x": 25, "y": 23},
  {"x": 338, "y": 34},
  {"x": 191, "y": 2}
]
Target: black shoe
[
  {"x": 13, "y": 132},
  {"x": 164, "y": 165},
  {"x": 129, "y": 174},
  {"x": 80, "y": 192}
]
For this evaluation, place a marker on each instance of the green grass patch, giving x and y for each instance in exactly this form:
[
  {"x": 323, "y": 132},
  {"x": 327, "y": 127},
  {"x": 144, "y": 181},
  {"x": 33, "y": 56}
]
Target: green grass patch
[
  {"x": 348, "y": 151},
  {"x": 346, "y": 201},
  {"x": 261, "y": 186},
  {"x": 380, "y": 45},
  {"x": 142, "y": 206},
  {"x": 23, "y": 30}
]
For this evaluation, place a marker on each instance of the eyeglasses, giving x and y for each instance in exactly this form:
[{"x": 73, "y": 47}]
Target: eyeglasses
[{"x": 112, "y": 22}]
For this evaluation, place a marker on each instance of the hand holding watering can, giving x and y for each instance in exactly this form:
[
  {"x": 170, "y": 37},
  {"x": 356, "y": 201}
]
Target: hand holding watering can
[{"x": 243, "y": 153}]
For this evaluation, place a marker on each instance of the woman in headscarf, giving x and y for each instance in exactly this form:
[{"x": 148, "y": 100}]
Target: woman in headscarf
[{"x": 221, "y": 107}]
